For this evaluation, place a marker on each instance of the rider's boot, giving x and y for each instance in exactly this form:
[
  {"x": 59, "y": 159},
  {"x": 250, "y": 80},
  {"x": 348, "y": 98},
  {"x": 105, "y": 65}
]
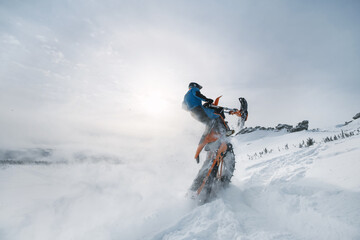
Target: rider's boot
[{"x": 229, "y": 132}]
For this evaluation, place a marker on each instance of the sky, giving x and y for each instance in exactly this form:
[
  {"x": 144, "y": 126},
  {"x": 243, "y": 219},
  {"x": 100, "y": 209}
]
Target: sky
[{"x": 114, "y": 73}]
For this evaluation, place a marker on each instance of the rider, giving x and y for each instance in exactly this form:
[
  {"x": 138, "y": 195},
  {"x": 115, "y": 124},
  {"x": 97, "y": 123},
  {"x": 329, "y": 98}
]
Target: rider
[{"x": 193, "y": 103}]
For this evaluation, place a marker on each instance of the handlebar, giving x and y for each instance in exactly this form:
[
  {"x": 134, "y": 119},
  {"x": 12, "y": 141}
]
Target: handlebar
[
  {"x": 242, "y": 112},
  {"x": 231, "y": 111}
]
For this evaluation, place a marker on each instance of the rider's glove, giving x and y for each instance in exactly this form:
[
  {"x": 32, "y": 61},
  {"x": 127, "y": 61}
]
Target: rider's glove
[{"x": 209, "y": 101}]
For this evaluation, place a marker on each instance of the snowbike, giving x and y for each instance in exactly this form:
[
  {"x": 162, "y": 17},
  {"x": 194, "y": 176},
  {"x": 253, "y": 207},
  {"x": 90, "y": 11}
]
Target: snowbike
[{"x": 219, "y": 164}]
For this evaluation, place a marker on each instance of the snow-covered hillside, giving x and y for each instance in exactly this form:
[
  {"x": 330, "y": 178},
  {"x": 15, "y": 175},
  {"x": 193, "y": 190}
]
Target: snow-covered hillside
[{"x": 283, "y": 192}]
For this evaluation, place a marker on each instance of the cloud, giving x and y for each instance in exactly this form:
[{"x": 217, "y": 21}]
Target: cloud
[{"x": 124, "y": 66}]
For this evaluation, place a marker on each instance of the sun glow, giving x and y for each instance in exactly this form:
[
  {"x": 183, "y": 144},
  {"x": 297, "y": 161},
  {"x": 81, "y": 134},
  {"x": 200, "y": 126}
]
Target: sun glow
[
  {"x": 154, "y": 104},
  {"x": 153, "y": 95}
]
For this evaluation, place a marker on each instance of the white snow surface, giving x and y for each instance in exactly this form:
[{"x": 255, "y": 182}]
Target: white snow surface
[{"x": 289, "y": 193}]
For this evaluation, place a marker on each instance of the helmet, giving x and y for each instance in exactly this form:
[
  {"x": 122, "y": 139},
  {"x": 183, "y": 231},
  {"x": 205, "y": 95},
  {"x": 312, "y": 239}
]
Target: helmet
[{"x": 194, "y": 84}]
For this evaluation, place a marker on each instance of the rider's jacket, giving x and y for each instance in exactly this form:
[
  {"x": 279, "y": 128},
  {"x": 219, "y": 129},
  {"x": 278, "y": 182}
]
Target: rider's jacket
[{"x": 193, "y": 98}]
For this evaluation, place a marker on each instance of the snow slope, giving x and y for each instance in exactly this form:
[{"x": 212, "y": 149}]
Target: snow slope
[
  {"x": 287, "y": 193},
  {"x": 296, "y": 193}
]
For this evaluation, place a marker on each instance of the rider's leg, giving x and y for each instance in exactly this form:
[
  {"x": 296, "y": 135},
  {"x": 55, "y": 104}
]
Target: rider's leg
[
  {"x": 219, "y": 115},
  {"x": 199, "y": 114}
]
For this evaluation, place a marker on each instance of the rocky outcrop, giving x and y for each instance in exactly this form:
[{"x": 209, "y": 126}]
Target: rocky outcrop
[
  {"x": 284, "y": 126},
  {"x": 356, "y": 116},
  {"x": 253, "y": 129},
  {"x": 304, "y": 125}
]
